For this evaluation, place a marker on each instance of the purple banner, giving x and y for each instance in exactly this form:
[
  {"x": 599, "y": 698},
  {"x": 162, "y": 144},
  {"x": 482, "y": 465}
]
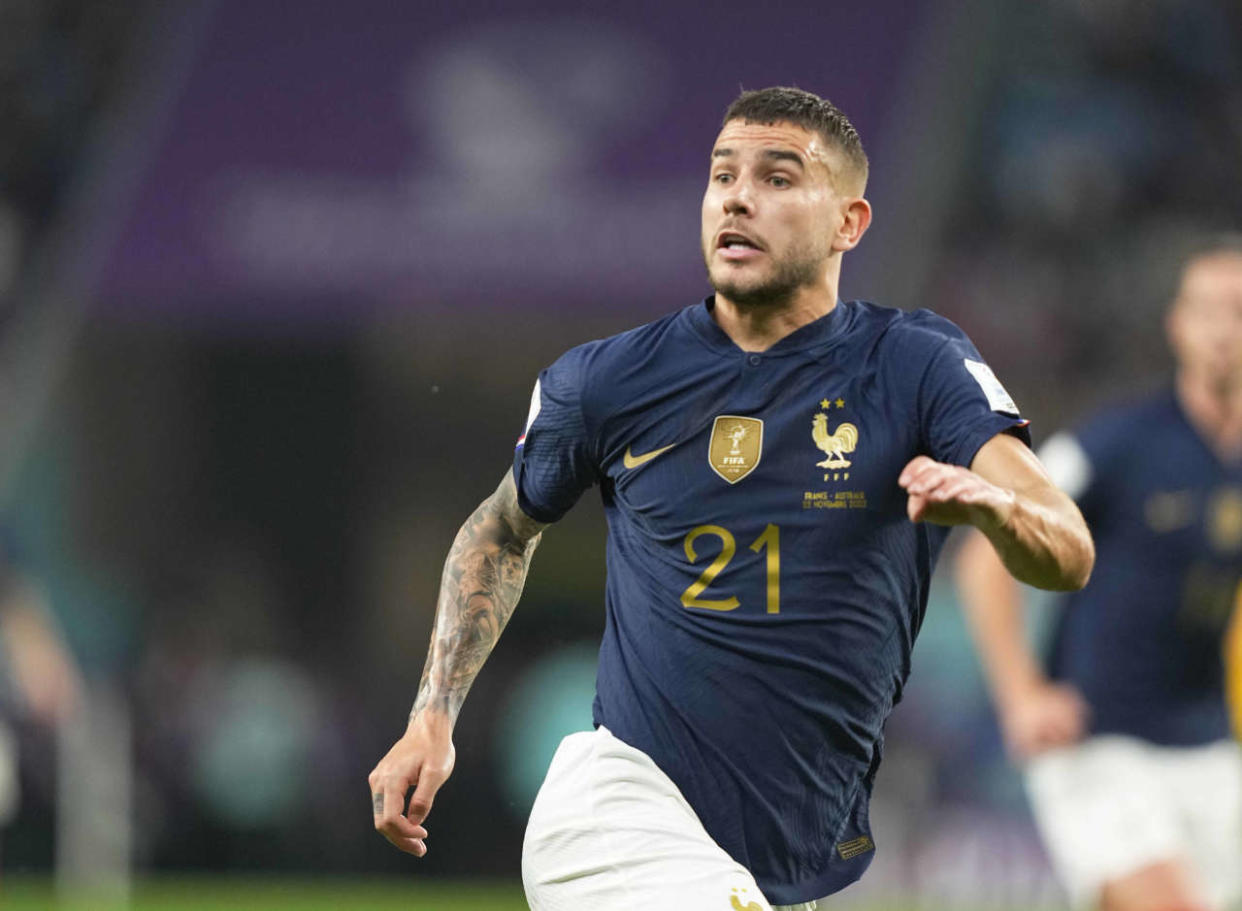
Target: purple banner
[{"x": 348, "y": 156}]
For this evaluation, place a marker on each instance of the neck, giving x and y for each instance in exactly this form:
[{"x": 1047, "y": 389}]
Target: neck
[
  {"x": 1215, "y": 409},
  {"x": 757, "y": 327}
]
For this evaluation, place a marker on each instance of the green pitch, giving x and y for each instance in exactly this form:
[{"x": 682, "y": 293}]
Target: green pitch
[
  {"x": 261, "y": 894},
  {"x": 225, "y": 893}
]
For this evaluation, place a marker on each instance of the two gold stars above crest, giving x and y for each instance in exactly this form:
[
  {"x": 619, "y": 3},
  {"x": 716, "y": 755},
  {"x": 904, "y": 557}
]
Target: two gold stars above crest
[{"x": 827, "y": 405}]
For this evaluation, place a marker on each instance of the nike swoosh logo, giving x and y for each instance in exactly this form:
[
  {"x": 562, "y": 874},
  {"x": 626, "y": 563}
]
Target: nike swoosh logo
[{"x": 633, "y": 461}]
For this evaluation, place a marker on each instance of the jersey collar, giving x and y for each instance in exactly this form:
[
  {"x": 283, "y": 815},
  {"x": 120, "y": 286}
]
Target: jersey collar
[{"x": 815, "y": 334}]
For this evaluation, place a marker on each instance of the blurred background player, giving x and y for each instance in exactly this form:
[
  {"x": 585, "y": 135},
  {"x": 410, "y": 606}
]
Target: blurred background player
[{"x": 1132, "y": 773}]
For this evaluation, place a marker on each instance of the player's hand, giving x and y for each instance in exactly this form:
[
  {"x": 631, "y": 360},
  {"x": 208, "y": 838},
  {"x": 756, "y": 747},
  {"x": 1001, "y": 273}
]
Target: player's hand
[
  {"x": 952, "y": 495},
  {"x": 1042, "y": 717},
  {"x": 423, "y": 760}
]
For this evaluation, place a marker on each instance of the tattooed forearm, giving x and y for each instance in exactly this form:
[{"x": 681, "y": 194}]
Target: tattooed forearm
[{"x": 482, "y": 581}]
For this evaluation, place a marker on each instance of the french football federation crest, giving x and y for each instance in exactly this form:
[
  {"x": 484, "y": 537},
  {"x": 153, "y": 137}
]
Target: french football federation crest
[
  {"x": 736, "y": 446},
  {"x": 835, "y": 444}
]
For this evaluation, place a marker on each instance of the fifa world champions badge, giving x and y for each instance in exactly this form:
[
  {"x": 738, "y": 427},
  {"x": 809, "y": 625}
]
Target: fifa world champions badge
[{"x": 736, "y": 446}]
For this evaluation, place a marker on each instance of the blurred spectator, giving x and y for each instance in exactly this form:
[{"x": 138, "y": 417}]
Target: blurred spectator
[
  {"x": 47, "y": 686},
  {"x": 59, "y": 63},
  {"x": 1109, "y": 128}
]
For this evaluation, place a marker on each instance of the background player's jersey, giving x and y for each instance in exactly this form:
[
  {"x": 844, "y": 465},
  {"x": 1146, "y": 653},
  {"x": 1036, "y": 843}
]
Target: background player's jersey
[
  {"x": 764, "y": 584},
  {"x": 1143, "y": 640}
]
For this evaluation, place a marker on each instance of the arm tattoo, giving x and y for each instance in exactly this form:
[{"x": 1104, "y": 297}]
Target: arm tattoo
[{"x": 482, "y": 580}]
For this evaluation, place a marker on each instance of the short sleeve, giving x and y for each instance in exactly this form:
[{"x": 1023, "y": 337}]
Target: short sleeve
[
  {"x": 553, "y": 462},
  {"x": 963, "y": 404}
]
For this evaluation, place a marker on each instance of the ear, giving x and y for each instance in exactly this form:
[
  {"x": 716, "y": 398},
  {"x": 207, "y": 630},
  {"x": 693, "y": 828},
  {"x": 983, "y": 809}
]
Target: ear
[{"x": 855, "y": 219}]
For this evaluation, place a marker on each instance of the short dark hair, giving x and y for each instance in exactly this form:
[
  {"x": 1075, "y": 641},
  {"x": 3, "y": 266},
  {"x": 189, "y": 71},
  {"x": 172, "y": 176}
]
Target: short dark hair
[
  {"x": 1189, "y": 246},
  {"x": 783, "y": 104},
  {"x": 1218, "y": 243}
]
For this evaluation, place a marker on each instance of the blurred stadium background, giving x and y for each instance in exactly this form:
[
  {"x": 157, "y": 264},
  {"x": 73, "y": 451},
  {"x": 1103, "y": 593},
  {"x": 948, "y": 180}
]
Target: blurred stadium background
[{"x": 275, "y": 282}]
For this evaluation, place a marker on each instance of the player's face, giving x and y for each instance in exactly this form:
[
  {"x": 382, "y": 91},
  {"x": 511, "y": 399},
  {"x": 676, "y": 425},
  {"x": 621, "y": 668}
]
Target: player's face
[
  {"x": 771, "y": 211},
  {"x": 1206, "y": 322}
]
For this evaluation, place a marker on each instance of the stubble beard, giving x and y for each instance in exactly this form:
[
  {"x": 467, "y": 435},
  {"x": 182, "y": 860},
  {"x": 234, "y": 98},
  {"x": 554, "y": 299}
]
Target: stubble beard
[{"x": 802, "y": 268}]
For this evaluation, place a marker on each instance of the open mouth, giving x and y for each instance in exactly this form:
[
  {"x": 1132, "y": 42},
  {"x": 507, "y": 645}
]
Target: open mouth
[{"x": 732, "y": 240}]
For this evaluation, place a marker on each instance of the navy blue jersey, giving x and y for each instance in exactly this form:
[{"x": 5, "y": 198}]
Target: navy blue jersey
[
  {"x": 764, "y": 583},
  {"x": 1143, "y": 640}
]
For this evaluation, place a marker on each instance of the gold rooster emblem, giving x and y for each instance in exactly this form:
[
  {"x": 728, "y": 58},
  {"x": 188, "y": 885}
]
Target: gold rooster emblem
[{"x": 836, "y": 444}]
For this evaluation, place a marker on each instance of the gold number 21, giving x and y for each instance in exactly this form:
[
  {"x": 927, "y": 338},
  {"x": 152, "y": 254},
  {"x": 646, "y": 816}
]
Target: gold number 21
[{"x": 770, "y": 539}]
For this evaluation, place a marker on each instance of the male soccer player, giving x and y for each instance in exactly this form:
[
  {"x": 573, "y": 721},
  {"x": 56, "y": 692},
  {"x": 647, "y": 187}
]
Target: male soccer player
[
  {"x": 1133, "y": 776},
  {"x": 777, "y": 468}
]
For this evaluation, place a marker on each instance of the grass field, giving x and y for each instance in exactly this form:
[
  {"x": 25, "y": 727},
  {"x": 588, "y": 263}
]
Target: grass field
[
  {"x": 225, "y": 893},
  {"x": 246, "y": 894}
]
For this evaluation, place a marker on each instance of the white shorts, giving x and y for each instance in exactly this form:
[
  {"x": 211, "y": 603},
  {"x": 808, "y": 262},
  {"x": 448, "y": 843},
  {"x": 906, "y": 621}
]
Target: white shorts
[
  {"x": 1111, "y": 805},
  {"x": 609, "y": 831}
]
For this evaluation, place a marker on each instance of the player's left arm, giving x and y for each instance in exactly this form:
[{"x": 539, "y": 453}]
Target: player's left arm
[{"x": 1036, "y": 529}]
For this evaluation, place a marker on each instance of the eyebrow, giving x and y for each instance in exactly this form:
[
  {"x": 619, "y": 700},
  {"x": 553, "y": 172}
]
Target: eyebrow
[{"x": 770, "y": 154}]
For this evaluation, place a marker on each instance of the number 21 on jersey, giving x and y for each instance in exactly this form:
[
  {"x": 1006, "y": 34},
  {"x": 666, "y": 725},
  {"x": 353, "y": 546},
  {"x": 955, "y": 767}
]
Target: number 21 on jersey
[{"x": 770, "y": 541}]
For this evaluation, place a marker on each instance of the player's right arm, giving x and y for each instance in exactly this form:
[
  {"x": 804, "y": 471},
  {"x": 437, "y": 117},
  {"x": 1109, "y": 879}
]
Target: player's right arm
[
  {"x": 482, "y": 581},
  {"x": 1035, "y": 714}
]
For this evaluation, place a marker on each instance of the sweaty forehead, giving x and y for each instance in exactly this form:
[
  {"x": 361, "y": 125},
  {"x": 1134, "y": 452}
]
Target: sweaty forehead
[{"x": 742, "y": 137}]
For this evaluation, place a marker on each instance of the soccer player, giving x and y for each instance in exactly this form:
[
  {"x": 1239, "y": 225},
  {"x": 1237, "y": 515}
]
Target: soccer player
[
  {"x": 1134, "y": 779},
  {"x": 779, "y": 470}
]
